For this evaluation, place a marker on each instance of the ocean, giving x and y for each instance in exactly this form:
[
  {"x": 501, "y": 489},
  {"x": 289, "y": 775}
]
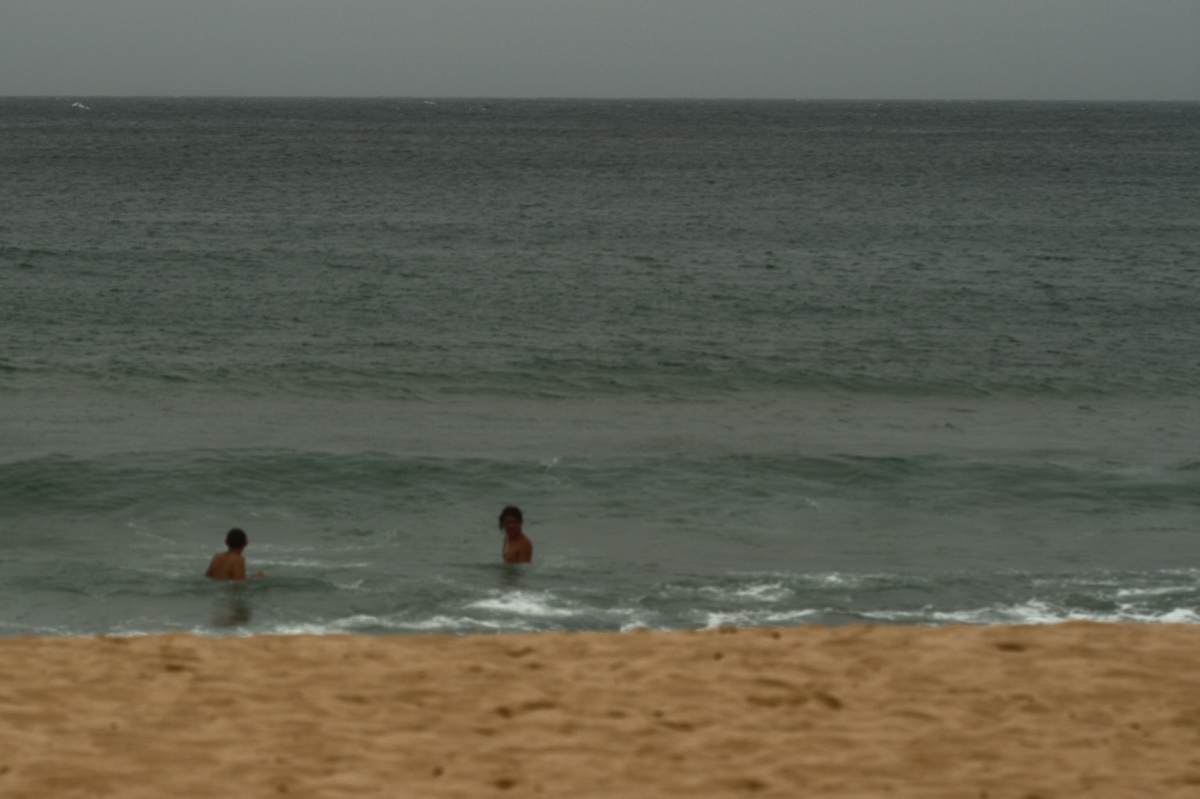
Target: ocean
[{"x": 739, "y": 363}]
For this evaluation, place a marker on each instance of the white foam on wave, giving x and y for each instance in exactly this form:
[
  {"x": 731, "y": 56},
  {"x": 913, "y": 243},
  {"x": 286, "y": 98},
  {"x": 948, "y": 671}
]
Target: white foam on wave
[
  {"x": 311, "y": 564},
  {"x": 1126, "y": 593},
  {"x": 637, "y": 624},
  {"x": 1180, "y": 616},
  {"x": 761, "y": 592},
  {"x": 396, "y": 624},
  {"x": 524, "y": 603},
  {"x": 766, "y": 592},
  {"x": 462, "y": 624},
  {"x": 1032, "y": 612},
  {"x": 757, "y": 619},
  {"x": 839, "y": 580},
  {"x": 298, "y": 628}
]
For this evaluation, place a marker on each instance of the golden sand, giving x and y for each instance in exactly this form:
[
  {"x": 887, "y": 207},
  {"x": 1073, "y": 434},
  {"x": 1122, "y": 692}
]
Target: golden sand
[{"x": 1066, "y": 710}]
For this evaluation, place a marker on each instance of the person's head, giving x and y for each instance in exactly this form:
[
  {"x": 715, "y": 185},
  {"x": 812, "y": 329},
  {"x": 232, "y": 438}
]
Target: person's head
[
  {"x": 513, "y": 516},
  {"x": 236, "y": 538}
]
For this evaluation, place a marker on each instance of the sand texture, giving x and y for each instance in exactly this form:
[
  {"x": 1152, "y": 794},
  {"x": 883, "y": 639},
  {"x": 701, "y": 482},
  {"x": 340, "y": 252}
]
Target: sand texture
[{"x": 1070, "y": 710}]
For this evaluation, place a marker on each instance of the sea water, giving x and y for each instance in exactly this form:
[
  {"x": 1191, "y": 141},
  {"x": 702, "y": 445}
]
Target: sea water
[{"x": 756, "y": 363}]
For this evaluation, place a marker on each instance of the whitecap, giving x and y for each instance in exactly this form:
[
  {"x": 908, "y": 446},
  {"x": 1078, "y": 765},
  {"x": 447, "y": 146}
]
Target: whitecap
[{"x": 523, "y": 604}]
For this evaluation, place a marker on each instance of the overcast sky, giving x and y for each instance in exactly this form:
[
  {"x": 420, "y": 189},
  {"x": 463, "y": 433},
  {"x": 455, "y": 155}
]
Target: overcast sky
[{"x": 806, "y": 49}]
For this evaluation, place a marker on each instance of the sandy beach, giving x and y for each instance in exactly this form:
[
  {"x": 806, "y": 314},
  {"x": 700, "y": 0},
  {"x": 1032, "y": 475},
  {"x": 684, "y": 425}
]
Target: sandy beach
[{"x": 1079, "y": 709}]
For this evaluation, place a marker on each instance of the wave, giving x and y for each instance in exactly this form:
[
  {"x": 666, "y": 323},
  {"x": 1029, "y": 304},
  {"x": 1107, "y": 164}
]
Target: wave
[
  {"x": 448, "y": 604},
  {"x": 290, "y": 378},
  {"x": 331, "y": 481}
]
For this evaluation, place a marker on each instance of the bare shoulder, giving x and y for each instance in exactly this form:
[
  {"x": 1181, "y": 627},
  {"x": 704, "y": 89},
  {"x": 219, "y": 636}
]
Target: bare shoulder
[{"x": 226, "y": 566}]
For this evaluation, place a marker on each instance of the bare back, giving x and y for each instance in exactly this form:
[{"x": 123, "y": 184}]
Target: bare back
[{"x": 227, "y": 566}]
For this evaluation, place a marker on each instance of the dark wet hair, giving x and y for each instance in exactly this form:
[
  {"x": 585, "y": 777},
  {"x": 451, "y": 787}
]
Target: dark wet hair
[
  {"x": 511, "y": 510},
  {"x": 236, "y": 538}
]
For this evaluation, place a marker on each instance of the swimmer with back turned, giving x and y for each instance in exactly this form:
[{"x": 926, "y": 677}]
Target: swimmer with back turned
[
  {"x": 517, "y": 548},
  {"x": 231, "y": 565}
]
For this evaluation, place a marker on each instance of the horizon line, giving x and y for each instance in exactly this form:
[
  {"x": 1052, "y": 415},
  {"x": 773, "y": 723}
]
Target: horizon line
[{"x": 574, "y": 98}]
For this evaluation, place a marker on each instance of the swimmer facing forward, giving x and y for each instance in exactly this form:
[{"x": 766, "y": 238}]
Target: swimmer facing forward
[
  {"x": 517, "y": 548},
  {"x": 231, "y": 565}
]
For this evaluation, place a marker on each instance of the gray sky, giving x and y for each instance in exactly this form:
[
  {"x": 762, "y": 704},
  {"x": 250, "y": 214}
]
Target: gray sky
[{"x": 806, "y": 49}]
